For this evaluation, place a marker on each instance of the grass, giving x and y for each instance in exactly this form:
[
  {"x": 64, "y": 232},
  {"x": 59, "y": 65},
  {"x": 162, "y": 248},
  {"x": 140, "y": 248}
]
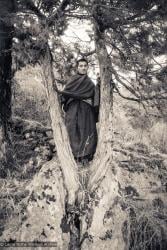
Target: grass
[{"x": 146, "y": 231}]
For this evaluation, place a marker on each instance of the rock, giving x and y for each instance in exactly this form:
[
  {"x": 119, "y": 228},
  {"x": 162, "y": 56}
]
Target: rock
[{"x": 45, "y": 209}]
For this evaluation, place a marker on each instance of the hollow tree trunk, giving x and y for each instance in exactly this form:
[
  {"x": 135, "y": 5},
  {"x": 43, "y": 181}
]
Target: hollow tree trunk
[{"x": 6, "y": 8}]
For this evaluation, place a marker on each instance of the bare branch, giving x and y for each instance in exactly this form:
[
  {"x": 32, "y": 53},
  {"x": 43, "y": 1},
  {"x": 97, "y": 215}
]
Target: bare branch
[
  {"x": 88, "y": 53},
  {"x": 126, "y": 97},
  {"x": 80, "y": 17},
  {"x": 131, "y": 90}
]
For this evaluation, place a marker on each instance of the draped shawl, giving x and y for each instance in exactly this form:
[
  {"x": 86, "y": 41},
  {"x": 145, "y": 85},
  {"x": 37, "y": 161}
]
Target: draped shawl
[
  {"x": 80, "y": 116},
  {"x": 79, "y": 87}
]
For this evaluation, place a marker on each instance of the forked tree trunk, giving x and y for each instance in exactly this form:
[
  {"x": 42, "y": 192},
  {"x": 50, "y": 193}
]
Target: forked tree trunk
[
  {"x": 99, "y": 218},
  {"x": 103, "y": 156},
  {"x": 102, "y": 181},
  {"x": 6, "y": 8}
]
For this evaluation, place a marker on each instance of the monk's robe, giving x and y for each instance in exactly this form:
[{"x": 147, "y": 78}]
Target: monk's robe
[{"x": 80, "y": 102}]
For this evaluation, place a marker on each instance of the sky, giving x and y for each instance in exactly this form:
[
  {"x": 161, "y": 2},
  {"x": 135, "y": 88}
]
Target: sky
[{"x": 78, "y": 31}]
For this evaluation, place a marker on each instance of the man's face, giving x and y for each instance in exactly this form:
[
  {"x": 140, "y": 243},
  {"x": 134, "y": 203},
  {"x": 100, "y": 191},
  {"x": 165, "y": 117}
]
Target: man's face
[{"x": 82, "y": 68}]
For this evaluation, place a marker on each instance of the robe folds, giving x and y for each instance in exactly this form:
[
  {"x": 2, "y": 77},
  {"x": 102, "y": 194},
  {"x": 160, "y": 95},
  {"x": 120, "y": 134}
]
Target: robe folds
[{"x": 80, "y": 100}]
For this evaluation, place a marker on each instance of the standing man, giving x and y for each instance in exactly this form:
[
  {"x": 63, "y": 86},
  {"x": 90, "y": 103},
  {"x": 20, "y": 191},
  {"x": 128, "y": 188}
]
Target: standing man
[{"x": 78, "y": 99}]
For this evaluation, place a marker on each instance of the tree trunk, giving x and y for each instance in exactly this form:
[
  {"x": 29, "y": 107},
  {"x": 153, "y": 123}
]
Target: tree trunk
[
  {"x": 68, "y": 164},
  {"x": 103, "y": 157},
  {"x": 103, "y": 184},
  {"x": 6, "y": 8},
  {"x": 101, "y": 178}
]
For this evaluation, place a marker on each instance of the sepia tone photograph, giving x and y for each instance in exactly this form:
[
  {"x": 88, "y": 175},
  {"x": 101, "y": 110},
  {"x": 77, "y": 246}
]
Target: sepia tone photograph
[{"x": 83, "y": 124}]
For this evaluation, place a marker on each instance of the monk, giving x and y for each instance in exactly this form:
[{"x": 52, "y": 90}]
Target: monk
[{"x": 80, "y": 100}]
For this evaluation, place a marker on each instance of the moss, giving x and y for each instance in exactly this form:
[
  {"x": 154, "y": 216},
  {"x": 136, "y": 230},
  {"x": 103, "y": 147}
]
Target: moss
[
  {"x": 47, "y": 187},
  {"x": 48, "y": 173},
  {"x": 49, "y": 198},
  {"x": 108, "y": 214},
  {"x": 108, "y": 235}
]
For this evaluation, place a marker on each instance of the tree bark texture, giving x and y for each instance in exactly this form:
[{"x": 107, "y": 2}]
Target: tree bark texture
[
  {"x": 103, "y": 184},
  {"x": 6, "y": 32},
  {"x": 68, "y": 164},
  {"x": 103, "y": 157}
]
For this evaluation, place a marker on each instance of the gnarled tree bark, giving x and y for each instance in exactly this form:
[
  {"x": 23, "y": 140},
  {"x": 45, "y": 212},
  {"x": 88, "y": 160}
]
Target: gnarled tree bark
[
  {"x": 103, "y": 157},
  {"x": 6, "y": 29},
  {"x": 68, "y": 164}
]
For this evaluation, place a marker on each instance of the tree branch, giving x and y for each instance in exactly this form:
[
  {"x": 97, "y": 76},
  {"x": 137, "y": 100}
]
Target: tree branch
[
  {"x": 126, "y": 97},
  {"x": 131, "y": 90},
  {"x": 80, "y": 17},
  {"x": 29, "y": 4},
  {"x": 59, "y": 12}
]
